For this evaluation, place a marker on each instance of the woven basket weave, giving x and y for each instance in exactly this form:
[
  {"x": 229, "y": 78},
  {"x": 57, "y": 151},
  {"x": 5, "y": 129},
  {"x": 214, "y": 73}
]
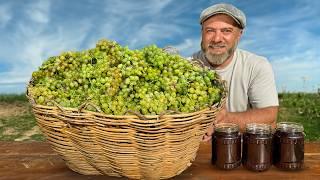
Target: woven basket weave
[{"x": 134, "y": 146}]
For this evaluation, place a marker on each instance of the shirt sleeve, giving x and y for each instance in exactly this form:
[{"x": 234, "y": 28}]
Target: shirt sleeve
[{"x": 262, "y": 90}]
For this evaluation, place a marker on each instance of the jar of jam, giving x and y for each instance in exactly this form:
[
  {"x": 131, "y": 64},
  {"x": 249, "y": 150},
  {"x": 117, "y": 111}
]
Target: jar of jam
[
  {"x": 257, "y": 147},
  {"x": 288, "y": 146},
  {"x": 226, "y": 146}
]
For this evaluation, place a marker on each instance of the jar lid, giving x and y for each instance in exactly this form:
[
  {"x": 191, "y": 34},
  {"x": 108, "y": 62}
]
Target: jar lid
[
  {"x": 258, "y": 128},
  {"x": 226, "y": 127},
  {"x": 289, "y": 127}
]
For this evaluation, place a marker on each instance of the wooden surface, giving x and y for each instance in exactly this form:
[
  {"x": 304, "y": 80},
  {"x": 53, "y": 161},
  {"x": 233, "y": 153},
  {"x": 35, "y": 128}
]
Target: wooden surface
[{"x": 36, "y": 160}]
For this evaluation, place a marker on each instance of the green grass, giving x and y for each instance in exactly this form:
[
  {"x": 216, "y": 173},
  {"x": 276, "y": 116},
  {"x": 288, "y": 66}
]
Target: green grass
[
  {"x": 10, "y": 98},
  {"x": 37, "y": 137},
  {"x": 295, "y": 107},
  {"x": 302, "y": 108},
  {"x": 19, "y": 123}
]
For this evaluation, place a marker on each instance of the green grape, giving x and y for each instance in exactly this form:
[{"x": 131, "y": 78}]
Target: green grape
[{"x": 117, "y": 79}]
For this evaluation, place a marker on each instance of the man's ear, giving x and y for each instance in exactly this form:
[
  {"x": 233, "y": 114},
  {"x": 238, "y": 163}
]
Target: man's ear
[{"x": 240, "y": 34}]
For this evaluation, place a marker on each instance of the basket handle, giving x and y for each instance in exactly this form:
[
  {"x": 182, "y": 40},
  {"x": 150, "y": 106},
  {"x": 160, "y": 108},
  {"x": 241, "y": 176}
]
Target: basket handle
[
  {"x": 87, "y": 104},
  {"x": 56, "y": 104},
  {"x": 167, "y": 112},
  {"x": 31, "y": 100},
  {"x": 136, "y": 113}
]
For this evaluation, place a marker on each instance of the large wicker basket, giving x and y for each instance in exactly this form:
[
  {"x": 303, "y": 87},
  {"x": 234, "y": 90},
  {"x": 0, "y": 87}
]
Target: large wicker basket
[{"x": 134, "y": 146}]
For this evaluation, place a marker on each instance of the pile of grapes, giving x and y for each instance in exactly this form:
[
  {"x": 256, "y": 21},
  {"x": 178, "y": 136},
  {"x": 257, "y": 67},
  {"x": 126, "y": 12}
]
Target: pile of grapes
[{"x": 116, "y": 79}]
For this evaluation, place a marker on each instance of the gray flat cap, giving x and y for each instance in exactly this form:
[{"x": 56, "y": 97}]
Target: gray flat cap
[{"x": 227, "y": 9}]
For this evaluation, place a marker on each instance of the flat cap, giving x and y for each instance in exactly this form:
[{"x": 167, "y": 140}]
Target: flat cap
[{"x": 227, "y": 9}]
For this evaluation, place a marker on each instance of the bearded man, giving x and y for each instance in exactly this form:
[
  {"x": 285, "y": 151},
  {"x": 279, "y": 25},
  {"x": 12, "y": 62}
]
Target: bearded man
[{"x": 252, "y": 95}]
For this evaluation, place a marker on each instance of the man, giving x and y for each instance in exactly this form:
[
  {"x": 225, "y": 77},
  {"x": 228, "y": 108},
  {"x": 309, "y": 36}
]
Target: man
[{"x": 252, "y": 95}]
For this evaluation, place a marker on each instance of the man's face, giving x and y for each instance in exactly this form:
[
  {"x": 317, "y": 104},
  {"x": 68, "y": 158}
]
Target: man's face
[{"x": 220, "y": 37}]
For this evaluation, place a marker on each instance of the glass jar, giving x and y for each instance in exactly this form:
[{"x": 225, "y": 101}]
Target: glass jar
[
  {"x": 288, "y": 145},
  {"x": 257, "y": 147},
  {"x": 226, "y": 146}
]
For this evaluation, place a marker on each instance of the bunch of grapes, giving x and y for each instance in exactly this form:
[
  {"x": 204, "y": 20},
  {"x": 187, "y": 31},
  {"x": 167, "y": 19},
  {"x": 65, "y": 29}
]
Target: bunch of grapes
[{"x": 116, "y": 79}]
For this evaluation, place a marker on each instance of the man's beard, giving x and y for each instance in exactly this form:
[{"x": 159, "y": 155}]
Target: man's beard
[{"x": 217, "y": 59}]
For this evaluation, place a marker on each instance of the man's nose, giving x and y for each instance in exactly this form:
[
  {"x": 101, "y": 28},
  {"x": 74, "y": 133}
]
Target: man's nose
[{"x": 217, "y": 37}]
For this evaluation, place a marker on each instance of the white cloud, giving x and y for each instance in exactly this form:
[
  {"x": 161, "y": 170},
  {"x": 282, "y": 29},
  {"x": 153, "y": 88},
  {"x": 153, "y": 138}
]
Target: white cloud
[
  {"x": 39, "y": 11},
  {"x": 188, "y": 46},
  {"x": 132, "y": 9},
  {"x": 14, "y": 77},
  {"x": 290, "y": 71},
  {"x": 284, "y": 32},
  {"x": 151, "y": 33},
  {"x": 126, "y": 16},
  {"x": 36, "y": 46},
  {"x": 5, "y": 15}
]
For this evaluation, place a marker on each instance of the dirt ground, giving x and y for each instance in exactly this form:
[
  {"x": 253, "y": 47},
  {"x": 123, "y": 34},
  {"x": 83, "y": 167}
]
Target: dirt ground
[
  {"x": 12, "y": 109},
  {"x": 9, "y": 110}
]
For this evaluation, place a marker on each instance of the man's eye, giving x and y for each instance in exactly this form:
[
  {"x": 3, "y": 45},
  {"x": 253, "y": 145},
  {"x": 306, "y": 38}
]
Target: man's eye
[
  {"x": 226, "y": 30},
  {"x": 210, "y": 30}
]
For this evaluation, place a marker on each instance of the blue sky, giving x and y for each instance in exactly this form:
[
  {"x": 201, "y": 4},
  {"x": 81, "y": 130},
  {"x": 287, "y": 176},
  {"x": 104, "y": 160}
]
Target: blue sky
[{"x": 287, "y": 32}]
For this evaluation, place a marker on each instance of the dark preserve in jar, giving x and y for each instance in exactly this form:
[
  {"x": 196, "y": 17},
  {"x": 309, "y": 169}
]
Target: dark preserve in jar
[
  {"x": 226, "y": 146},
  {"x": 288, "y": 146},
  {"x": 257, "y": 147}
]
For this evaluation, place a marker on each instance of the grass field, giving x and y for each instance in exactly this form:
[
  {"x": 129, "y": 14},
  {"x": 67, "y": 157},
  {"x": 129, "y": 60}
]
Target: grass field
[
  {"x": 17, "y": 122},
  {"x": 303, "y": 108}
]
